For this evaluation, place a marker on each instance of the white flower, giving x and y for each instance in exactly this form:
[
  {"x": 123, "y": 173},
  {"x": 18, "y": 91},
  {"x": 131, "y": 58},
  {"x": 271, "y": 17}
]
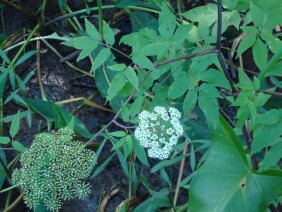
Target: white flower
[{"x": 159, "y": 131}]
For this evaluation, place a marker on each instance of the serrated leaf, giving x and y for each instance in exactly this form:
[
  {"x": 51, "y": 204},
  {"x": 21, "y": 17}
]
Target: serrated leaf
[
  {"x": 266, "y": 135},
  {"x": 209, "y": 105},
  {"x": 167, "y": 22},
  {"x": 101, "y": 58},
  {"x": 4, "y": 140},
  {"x": 190, "y": 100},
  {"x": 116, "y": 85},
  {"x": 109, "y": 35},
  {"x": 14, "y": 128},
  {"x": 216, "y": 78},
  {"x": 131, "y": 76},
  {"x": 92, "y": 31},
  {"x": 179, "y": 86},
  {"x": 136, "y": 106},
  {"x": 260, "y": 54},
  {"x": 25, "y": 57},
  {"x": 272, "y": 156},
  {"x": 18, "y": 146},
  {"x": 140, "y": 153},
  {"x": 86, "y": 44},
  {"x": 245, "y": 44}
]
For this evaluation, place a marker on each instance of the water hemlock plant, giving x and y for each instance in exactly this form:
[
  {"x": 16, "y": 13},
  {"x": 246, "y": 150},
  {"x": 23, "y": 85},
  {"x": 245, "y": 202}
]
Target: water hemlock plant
[
  {"x": 159, "y": 131},
  {"x": 53, "y": 170}
]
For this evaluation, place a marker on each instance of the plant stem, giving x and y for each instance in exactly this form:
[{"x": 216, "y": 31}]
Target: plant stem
[
  {"x": 99, "y": 3},
  {"x": 34, "y": 31}
]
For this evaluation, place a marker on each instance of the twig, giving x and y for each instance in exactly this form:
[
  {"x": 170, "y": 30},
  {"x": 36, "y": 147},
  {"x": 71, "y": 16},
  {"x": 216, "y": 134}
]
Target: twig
[
  {"x": 11, "y": 207},
  {"x": 107, "y": 199},
  {"x": 38, "y": 70},
  {"x": 179, "y": 176}
]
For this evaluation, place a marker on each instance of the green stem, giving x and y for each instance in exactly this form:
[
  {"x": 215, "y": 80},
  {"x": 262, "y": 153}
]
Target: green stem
[
  {"x": 99, "y": 3},
  {"x": 8, "y": 189},
  {"x": 130, "y": 180},
  {"x": 34, "y": 31},
  {"x": 1, "y": 116}
]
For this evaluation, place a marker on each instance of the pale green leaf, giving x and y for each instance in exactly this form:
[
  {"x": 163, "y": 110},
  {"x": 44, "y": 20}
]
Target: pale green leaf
[
  {"x": 190, "y": 100},
  {"x": 14, "y": 128},
  {"x": 216, "y": 78},
  {"x": 109, "y": 35},
  {"x": 4, "y": 140},
  {"x": 101, "y": 58},
  {"x": 140, "y": 152},
  {"x": 18, "y": 146},
  {"x": 92, "y": 31},
  {"x": 179, "y": 86},
  {"x": 116, "y": 85},
  {"x": 131, "y": 76},
  {"x": 272, "y": 156},
  {"x": 118, "y": 134},
  {"x": 245, "y": 44},
  {"x": 86, "y": 44},
  {"x": 167, "y": 22},
  {"x": 136, "y": 106},
  {"x": 117, "y": 67},
  {"x": 260, "y": 54},
  {"x": 25, "y": 57}
]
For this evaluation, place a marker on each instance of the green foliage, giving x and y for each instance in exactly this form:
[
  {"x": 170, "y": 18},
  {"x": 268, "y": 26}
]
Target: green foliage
[
  {"x": 53, "y": 170},
  {"x": 226, "y": 182}
]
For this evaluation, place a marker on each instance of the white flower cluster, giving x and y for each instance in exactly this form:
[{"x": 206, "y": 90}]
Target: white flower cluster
[{"x": 159, "y": 131}]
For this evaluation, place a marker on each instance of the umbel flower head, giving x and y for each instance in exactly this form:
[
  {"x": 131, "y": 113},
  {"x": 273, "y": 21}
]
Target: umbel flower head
[
  {"x": 158, "y": 131},
  {"x": 53, "y": 170}
]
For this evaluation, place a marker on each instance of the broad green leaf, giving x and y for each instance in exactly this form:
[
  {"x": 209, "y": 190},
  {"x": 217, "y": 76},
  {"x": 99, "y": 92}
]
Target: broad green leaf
[
  {"x": 140, "y": 152},
  {"x": 109, "y": 35},
  {"x": 266, "y": 135},
  {"x": 116, "y": 85},
  {"x": 14, "y": 128},
  {"x": 190, "y": 100},
  {"x": 140, "y": 20},
  {"x": 257, "y": 14},
  {"x": 216, "y": 78},
  {"x": 4, "y": 57},
  {"x": 92, "y": 31},
  {"x": 272, "y": 156},
  {"x": 275, "y": 70},
  {"x": 18, "y": 146},
  {"x": 2, "y": 172},
  {"x": 142, "y": 61},
  {"x": 101, "y": 58},
  {"x": 236, "y": 4},
  {"x": 86, "y": 44},
  {"x": 232, "y": 185},
  {"x": 167, "y": 22},
  {"x": 25, "y": 57},
  {"x": 179, "y": 86},
  {"x": 260, "y": 54},
  {"x": 4, "y": 140},
  {"x": 131, "y": 76},
  {"x": 118, "y": 134},
  {"x": 245, "y": 44}
]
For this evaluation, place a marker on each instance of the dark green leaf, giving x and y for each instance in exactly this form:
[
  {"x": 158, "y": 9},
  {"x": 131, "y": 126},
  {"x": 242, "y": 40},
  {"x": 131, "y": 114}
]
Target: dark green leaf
[
  {"x": 245, "y": 44},
  {"x": 131, "y": 76},
  {"x": 260, "y": 54},
  {"x": 25, "y": 57},
  {"x": 179, "y": 86},
  {"x": 102, "y": 166},
  {"x": 140, "y": 152},
  {"x": 272, "y": 156},
  {"x": 190, "y": 100},
  {"x": 116, "y": 85},
  {"x": 4, "y": 57},
  {"x": 101, "y": 58}
]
